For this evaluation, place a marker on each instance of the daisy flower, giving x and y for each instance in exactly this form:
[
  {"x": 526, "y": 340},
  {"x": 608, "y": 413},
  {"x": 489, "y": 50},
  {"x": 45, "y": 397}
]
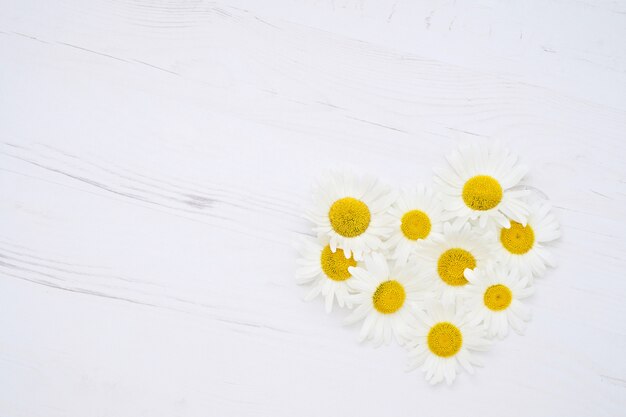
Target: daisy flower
[
  {"x": 446, "y": 258},
  {"x": 384, "y": 298},
  {"x": 442, "y": 340},
  {"x": 351, "y": 212},
  {"x": 522, "y": 246},
  {"x": 417, "y": 217},
  {"x": 478, "y": 185},
  {"x": 493, "y": 298},
  {"x": 325, "y": 271}
]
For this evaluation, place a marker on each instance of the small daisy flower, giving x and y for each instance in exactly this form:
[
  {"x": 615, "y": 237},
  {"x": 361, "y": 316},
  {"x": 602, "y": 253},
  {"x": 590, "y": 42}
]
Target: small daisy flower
[
  {"x": 325, "y": 271},
  {"x": 478, "y": 185},
  {"x": 442, "y": 340},
  {"x": 522, "y": 247},
  {"x": 493, "y": 298},
  {"x": 417, "y": 217},
  {"x": 446, "y": 258},
  {"x": 384, "y": 298},
  {"x": 351, "y": 212}
]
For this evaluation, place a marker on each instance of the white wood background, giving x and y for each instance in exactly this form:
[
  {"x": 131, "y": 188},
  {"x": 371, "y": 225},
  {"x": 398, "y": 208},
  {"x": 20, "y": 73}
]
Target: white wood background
[{"x": 155, "y": 157}]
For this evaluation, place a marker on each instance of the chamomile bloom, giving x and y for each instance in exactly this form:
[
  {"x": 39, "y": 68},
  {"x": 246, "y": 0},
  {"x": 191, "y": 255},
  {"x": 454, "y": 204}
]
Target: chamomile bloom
[
  {"x": 443, "y": 339},
  {"x": 384, "y": 298},
  {"x": 493, "y": 298},
  {"x": 446, "y": 258},
  {"x": 478, "y": 185},
  {"x": 522, "y": 247},
  {"x": 417, "y": 217},
  {"x": 350, "y": 211},
  {"x": 325, "y": 271}
]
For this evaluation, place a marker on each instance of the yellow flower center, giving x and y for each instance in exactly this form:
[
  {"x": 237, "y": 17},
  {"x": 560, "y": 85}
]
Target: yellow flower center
[
  {"x": 335, "y": 265},
  {"x": 517, "y": 239},
  {"x": 389, "y": 297},
  {"x": 415, "y": 225},
  {"x": 482, "y": 192},
  {"x": 452, "y": 264},
  {"x": 349, "y": 217},
  {"x": 445, "y": 339},
  {"x": 498, "y": 297}
]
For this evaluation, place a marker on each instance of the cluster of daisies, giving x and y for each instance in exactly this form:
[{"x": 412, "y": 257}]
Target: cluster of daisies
[{"x": 440, "y": 270}]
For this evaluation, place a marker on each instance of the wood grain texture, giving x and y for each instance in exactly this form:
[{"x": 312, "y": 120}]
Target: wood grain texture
[{"x": 156, "y": 156}]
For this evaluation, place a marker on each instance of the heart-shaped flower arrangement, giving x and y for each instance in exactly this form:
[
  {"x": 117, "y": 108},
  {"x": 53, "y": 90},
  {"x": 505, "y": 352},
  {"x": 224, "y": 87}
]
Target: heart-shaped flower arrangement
[{"x": 442, "y": 271}]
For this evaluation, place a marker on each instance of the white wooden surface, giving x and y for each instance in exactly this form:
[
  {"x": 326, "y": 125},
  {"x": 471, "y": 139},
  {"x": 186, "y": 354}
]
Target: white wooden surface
[{"x": 155, "y": 157}]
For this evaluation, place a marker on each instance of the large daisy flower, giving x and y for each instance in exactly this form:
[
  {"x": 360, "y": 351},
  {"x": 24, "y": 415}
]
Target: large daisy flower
[
  {"x": 351, "y": 212},
  {"x": 325, "y": 271},
  {"x": 523, "y": 246},
  {"x": 417, "y": 217},
  {"x": 478, "y": 185},
  {"x": 384, "y": 298},
  {"x": 446, "y": 258},
  {"x": 443, "y": 339},
  {"x": 493, "y": 298}
]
